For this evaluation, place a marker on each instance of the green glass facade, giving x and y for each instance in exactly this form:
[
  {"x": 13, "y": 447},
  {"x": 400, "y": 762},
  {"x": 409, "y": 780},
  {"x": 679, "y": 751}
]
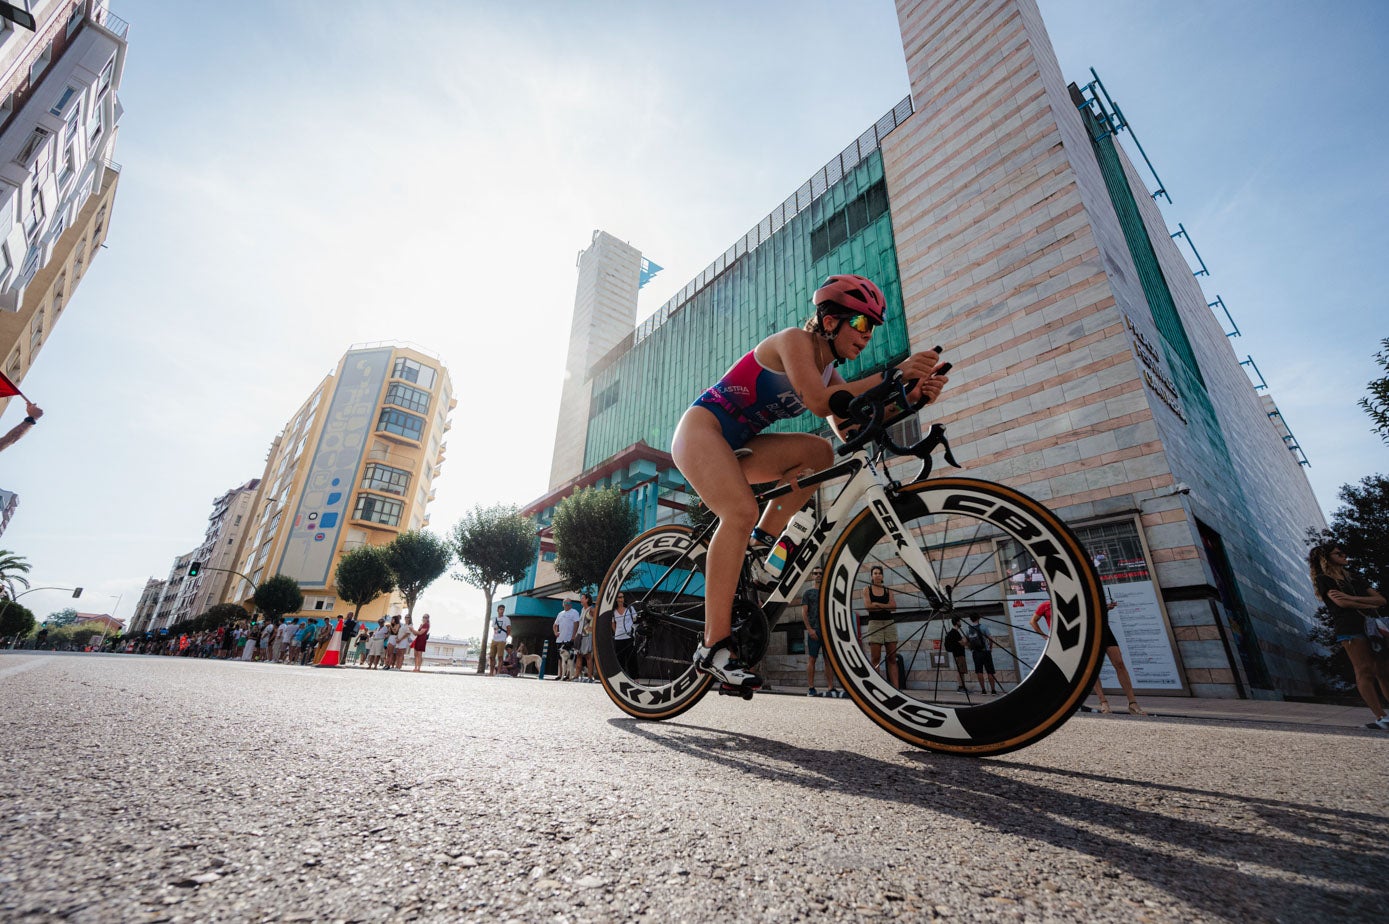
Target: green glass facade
[{"x": 641, "y": 395}]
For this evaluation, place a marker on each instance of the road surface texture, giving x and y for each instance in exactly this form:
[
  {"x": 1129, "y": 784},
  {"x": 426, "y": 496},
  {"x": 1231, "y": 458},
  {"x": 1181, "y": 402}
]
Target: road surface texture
[{"x": 162, "y": 789}]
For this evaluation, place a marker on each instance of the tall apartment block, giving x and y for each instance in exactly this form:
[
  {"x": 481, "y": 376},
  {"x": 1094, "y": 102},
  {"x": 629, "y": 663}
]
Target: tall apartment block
[
  {"x": 1003, "y": 220},
  {"x": 58, "y": 117},
  {"x": 354, "y": 466}
]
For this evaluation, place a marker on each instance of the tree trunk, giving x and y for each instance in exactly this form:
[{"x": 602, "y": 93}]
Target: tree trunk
[{"x": 486, "y": 624}]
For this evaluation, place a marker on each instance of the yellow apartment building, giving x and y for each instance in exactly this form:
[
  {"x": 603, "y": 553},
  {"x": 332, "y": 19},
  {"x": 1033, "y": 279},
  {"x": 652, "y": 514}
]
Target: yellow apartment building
[
  {"x": 23, "y": 332},
  {"x": 354, "y": 466}
]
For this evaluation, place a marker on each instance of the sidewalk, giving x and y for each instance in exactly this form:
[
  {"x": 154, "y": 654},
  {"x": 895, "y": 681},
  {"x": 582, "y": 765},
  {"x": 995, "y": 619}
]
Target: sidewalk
[
  {"x": 1244, "y": 710},
  {"x": 1274, "y": 712}
]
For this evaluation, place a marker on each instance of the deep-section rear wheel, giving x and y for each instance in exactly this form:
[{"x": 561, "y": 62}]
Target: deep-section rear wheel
[{"x": 997, "y": 554}]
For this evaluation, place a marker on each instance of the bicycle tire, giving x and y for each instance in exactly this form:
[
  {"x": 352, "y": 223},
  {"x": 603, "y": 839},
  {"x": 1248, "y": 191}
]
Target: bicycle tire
[
  {"x": 1048, "y": 691},
  {"x": 651, "y": 571}
]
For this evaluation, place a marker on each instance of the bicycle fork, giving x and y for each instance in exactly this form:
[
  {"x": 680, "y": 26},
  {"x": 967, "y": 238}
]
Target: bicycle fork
[{"x": 910, "y": 552}]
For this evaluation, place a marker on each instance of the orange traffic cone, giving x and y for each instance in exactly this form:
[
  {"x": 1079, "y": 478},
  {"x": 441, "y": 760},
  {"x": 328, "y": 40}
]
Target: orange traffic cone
[{"x": 330, "y": 657}]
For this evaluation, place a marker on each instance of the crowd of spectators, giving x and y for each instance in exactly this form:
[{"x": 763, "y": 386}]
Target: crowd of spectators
[{"x": 299, "y": 640}]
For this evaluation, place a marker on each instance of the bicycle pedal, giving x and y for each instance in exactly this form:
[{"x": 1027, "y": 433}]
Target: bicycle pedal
[{"x": 726, "y": 689}]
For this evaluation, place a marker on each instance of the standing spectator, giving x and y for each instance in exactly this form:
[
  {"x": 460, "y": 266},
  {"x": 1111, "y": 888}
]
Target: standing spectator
[
  {"x": 376, "y": 651},
  {"x": 322, "y": 635},
  {"x": 584, "y": 664},
  {"x": 501, "y": 627},
  {"x": 623, "y": 624},
  {"x": 248, "y": 651},
  {"x": 810, "y": 599},
  {"x": 981, "y": 643},
  {"x": 421, "y": 640},
  {"x": 566, "y": 624},
  {"x": 283, "y": 636},
  {"x": 392, "y": 635},
  {"x": 1349, "y": 599},
  {"x": 404, "y": 637},
  {"x": 349, "y": 632},
  {"x": 363, "y": 641},
  {"x": 954, "y": 645},
  {"x": 1111, "y": 650},
  {"x": 224, "y": 635},
  {"x": 303, "y": 633},
  {"x": 880, "y": 602}
]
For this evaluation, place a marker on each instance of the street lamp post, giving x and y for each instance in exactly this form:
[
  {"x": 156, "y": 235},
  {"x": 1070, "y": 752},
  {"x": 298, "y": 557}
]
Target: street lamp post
[
  {"x": 5, "y": 604},
  {"x": 105, "y": 627}
]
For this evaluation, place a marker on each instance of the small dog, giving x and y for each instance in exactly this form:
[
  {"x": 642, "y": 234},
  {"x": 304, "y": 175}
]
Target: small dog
[
  {"x": 567, "y": 660},
  {"x": 529, "y": 661}
]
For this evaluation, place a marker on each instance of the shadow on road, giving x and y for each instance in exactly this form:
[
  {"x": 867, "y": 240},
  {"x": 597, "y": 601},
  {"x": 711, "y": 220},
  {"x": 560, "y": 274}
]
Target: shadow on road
[{"x": 1201, "y": 846}]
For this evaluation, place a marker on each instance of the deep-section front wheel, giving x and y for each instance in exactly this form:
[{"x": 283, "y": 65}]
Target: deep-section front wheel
[
  {"x": 660, "y": 575},
  {"x": 997, "y": 555}
]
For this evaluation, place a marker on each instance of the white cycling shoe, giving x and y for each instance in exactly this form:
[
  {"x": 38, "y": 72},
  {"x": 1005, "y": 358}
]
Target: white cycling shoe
[{"x": 718, "y": 662}]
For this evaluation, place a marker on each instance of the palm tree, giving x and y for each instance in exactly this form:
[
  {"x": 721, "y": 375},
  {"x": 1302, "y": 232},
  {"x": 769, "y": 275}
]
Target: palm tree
[{"x": 12, "y": 570}]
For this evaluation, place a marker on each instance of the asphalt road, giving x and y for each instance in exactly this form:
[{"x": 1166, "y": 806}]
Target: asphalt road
[{"x": 160, "y": 789}]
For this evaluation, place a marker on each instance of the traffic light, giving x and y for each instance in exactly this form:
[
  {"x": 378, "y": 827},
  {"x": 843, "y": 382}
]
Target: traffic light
[
  {"x": 194, "y": 568},
  {"x": 76, "y": 592}
]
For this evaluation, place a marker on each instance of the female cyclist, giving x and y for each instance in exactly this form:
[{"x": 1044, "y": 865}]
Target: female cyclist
[{"x": 721, "y": 451}]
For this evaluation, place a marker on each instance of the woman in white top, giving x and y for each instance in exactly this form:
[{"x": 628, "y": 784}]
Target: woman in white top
[
  {"x": 376, "y": 651},
  {"x": 622, "y": 636}
]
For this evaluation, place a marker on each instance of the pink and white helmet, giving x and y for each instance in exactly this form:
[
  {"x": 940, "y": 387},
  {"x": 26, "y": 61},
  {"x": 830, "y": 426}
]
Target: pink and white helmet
[{"x": 850, "y": 294}]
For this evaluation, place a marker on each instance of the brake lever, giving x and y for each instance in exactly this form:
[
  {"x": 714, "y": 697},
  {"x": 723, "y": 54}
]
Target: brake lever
[{"x": 927, "y": 446}]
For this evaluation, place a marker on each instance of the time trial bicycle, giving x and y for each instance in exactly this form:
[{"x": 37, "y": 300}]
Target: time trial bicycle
[{"x": 949, "y": 546}]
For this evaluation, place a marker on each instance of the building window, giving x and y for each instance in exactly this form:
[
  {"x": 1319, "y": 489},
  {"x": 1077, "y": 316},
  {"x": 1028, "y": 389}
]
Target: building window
[
  {"x": 62, "y": 103},
  {"x": 378, "y": 510},
  {"x": 412, "y": 399},
  {"x": 401, "y": 424},
  {"x": 385, "y": 479},
  {"x": 411, "y": 371},
  {"x": 325, "y": 603},
  {"x": 31, "y": 147},
  {"x": 107, "y": 73},
  {"x": 74, "y": 20},
  {"x": 69, "y": 168},
  {"x": 40, "y": 64},
  {"x": 6, "y": 264}
]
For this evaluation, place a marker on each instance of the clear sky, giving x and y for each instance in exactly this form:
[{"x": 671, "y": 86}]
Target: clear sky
[{"x": 300, "y": 177}]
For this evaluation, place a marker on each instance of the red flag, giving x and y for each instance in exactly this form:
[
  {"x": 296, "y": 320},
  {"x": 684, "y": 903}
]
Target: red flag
[{"x": 8, "y": 389}]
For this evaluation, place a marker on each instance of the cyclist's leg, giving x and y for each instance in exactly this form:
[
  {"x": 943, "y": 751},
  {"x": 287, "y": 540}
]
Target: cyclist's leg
[
  {"x": 707, "y": 461},
  {"x": 783, "y": 457}
]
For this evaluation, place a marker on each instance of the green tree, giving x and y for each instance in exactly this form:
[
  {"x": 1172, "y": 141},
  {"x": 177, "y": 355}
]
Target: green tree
[
  {"x": 16, "y": 620},
  {"x": 64, "y": 617},
  {"x": 278, "y": 595},
  {"x": 494, "y": 546},
  {"x": 12, "y": 570},
  {"x": 1377, "y": 404},
  {"x": 590, "y": 528},
  {"x": 1360, "y": 526},
  {"x": 363, "y": 575},
  {"x": 221, "y": 614},
  {"x": 417, "y": 558}
]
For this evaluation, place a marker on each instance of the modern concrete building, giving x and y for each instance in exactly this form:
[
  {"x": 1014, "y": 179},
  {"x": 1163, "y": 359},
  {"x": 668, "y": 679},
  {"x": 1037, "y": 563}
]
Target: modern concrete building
[
  {"x": 147, "y": 606},
  {"x": 354, "y": 466},
  {"x": 9, "y": 502},
  {"x": 219, "y": 554},
  {"x": 58, "y": 118},
  {"x": 1003, "y": 220}
]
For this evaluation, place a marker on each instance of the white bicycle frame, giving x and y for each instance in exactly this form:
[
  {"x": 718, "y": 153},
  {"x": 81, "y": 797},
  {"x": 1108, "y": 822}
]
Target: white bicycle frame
[{"x": 864, "y": 483}]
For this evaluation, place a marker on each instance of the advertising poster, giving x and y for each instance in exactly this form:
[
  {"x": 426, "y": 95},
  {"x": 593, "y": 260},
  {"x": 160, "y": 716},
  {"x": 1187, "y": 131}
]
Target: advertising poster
[{"x": 1136, "y": 618}]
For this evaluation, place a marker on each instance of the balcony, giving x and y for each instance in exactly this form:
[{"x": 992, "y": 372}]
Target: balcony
[{"x": 111, "y": 23}]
